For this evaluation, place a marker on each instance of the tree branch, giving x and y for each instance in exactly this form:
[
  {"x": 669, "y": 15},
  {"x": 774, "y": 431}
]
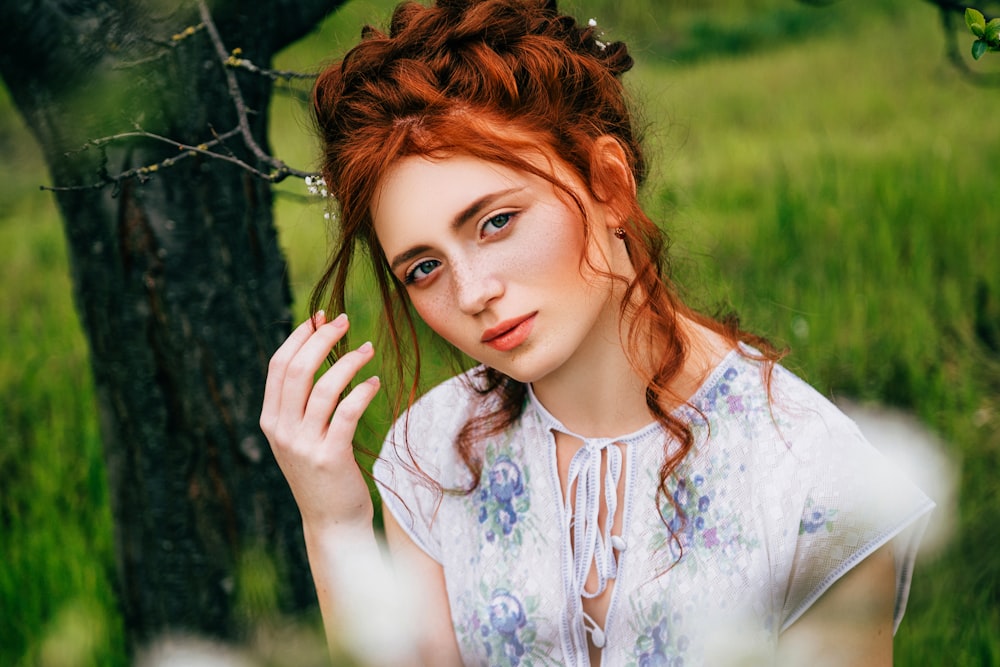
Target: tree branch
[
  {"x": 234, "y": 89},
  {"x": 277, "y": 170},
  {"x": 951, "y": 24},
  {"x": 234, "y": 61},
  {"x": 143, "y": 173}
]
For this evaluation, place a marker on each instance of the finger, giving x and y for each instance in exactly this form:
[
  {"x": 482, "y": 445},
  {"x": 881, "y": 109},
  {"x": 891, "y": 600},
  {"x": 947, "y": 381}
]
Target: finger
[
  {"x": 301, "y": 370},
  {"x": 325, "y": 394},
  {"x": 278, "y": 367},
  {"x": 348, "y": 413}
]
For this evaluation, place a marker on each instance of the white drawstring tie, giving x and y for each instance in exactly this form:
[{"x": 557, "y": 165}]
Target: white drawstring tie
[{"x": 590, "y": 544}]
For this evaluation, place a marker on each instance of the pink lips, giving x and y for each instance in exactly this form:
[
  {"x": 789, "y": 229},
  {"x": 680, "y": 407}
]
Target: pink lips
[{"x": 510, "y": 333}]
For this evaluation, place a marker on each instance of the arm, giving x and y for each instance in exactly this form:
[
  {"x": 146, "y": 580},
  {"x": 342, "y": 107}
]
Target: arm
[
  {"x": 311, "y": 434},
  {"x": 366, "y": 604},
  {"x": 851, "y": 623},
  {"x": 438, "y": 645}
]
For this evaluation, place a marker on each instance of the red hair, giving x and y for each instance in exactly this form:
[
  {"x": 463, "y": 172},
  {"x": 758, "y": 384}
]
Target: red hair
[{"x": 498, "y": 80}]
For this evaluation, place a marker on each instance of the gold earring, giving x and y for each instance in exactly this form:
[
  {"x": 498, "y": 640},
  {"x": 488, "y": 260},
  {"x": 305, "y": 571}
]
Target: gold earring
[{"x": 619, "y": 232}]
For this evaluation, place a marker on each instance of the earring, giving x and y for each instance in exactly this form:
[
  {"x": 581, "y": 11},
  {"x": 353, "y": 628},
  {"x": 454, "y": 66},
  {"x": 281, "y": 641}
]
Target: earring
[{"x": 619, "y": 232}]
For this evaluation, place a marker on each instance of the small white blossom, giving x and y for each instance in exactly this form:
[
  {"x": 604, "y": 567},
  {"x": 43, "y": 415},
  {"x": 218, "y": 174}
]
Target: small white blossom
[
  {"x": 316, "y": 186},
  {"x": 601, "y": 45}
]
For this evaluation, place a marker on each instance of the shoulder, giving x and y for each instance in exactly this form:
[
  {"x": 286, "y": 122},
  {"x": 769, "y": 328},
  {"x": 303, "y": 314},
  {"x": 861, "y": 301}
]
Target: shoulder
[
  {"x": 423, "y": 437},
  {"x": 452, "y": 401},
  {"x": 766, "y": 419},
  {"x": 802, "y": 408},
  {"x": 759, "y": 398},
  {"x": 781, "y": 402}
]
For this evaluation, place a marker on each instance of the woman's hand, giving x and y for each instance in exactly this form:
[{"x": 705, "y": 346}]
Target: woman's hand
[{"x": 311, "y": 430}]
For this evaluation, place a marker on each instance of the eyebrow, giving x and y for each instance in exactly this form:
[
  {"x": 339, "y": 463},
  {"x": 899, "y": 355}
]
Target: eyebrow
[{"x": 473, "y": 210}]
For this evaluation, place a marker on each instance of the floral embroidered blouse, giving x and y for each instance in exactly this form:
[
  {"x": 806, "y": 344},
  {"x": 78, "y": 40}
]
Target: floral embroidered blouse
[{"x": 779, "y": 499}]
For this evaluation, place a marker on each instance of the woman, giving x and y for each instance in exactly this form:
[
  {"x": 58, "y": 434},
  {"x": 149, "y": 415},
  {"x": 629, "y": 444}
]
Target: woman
[{"x": 621, "y": 480}]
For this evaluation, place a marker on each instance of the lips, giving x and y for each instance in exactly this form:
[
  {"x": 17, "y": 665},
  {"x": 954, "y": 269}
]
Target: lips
[{"x": 510, "y": 333}]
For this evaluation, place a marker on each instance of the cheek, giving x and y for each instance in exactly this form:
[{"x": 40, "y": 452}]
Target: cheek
[
  {"x": 435, "y": 310},
  {"x": 440, "y": 312},
  {"x": 557, "y": 252}
]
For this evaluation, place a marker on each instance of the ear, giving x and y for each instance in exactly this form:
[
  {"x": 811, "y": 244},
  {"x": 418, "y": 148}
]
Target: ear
[{"x": 611, "y": 178}]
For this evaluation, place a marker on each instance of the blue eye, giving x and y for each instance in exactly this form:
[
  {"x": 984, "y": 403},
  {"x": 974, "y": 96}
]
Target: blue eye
[
  {"x": 496, "y": 223},
  {"x": 420, "y": 271}
]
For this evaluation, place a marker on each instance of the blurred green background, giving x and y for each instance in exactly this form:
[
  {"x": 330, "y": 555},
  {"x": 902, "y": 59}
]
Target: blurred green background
[{"x": 823, "y": 171}]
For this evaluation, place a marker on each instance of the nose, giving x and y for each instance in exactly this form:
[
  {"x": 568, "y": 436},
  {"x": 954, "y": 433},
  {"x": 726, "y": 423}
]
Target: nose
[{"x": 476, "y": 285}]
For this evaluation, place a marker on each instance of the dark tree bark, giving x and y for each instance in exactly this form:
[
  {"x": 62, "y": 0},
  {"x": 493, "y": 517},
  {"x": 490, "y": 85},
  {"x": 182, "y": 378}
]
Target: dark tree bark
[{"x": 179, "y": 282}]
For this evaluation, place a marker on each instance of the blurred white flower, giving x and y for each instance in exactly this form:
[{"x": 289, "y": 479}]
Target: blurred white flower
[
  {"x": 919, "y": 453},
  {"x": 190, "y": 651}
]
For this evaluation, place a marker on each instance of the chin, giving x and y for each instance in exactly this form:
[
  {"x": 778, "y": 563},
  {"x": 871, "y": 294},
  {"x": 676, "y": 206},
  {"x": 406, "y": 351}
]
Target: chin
[{"x": 525, "y": 370}]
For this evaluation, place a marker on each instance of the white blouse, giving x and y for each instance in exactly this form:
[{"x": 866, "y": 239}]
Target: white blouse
[{"x": 779, "y": 497}]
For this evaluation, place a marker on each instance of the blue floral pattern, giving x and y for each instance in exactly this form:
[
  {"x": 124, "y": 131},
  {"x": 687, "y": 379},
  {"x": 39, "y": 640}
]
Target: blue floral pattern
[
  {"x": 816, "y": 517},
  {"x": 656, "y": 644},
  {"x": 502, "y": 625},
  {"x": 702, "y": 524},
  {"x": 502, "y": 500}
]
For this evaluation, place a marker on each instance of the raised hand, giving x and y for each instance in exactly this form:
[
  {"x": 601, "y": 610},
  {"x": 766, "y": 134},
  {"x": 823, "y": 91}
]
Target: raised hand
[{"x": 311, "y": 430}]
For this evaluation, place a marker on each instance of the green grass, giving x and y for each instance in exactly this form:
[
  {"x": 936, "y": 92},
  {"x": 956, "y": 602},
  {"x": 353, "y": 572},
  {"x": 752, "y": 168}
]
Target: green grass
[{"x": 834, "y": 182}]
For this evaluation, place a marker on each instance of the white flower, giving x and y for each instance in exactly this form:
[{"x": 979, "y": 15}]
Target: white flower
[
  {"x": 316, "y": 186},
  {"x": 601, "y": 45}
]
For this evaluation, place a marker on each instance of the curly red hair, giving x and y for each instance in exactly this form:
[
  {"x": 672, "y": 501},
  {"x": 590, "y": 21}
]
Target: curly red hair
[{"x": 498, "y": 80}]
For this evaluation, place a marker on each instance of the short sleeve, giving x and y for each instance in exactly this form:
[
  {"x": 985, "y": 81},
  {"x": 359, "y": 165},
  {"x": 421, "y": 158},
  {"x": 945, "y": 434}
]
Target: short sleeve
[
  {"x": 852, "y": 501},
  {"x": 418, "y": 461}
]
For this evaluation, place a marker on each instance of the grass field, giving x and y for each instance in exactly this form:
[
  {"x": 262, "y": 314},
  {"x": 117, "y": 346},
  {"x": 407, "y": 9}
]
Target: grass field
[{"x": 823, "y": 172}]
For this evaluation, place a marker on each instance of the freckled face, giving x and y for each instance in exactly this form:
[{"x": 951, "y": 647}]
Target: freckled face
[{"x": 492, "y": 260}]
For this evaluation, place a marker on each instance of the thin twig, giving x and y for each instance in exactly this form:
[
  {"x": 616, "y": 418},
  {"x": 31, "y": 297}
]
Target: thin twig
[
  {"x": 278, "y": 170},
  {"x": 139, "y": 132},
  {"x": 185, "y": 151},
  {"x": 165, "y": 47},
  {"x": 234, "y": 89},
  {"x": 273, "y": 74}
]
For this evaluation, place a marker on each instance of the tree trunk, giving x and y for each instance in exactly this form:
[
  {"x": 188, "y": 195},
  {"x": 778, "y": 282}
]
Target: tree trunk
[{"x": 180, "y": 285}]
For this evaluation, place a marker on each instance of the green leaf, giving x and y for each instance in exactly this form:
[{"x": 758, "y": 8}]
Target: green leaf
[
  {"x": 976, "y": 21},
  {"x": 992, "y": 32},
  {"x": 979, "y": 47}
]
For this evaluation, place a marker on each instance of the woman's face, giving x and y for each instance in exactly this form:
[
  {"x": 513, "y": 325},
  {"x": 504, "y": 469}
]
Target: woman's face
[{"x": 493, "y": 260}]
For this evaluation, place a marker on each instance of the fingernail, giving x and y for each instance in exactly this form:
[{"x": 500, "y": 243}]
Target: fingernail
[
  {"x": 340, "y": 319},
  {"x": 374, "y": 381},
  {"x": 319, "y": 317},
  {"x": 367, "y": 347}
]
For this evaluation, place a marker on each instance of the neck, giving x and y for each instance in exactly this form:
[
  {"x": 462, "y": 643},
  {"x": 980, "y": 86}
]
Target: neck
[
  {"x": 601, "y": 399},
  {"x": 600, "y": 394}
]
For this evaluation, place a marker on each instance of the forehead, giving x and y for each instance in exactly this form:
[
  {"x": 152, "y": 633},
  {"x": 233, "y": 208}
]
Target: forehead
[
  {"x": 418, "y": 194},
  {"x": 436, "y": 183}
]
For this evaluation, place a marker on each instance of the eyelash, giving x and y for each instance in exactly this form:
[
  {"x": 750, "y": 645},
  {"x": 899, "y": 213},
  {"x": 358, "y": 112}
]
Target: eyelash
[
  {"x": 507, "y": 217},
  {"x": 411, "y": 276}
]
